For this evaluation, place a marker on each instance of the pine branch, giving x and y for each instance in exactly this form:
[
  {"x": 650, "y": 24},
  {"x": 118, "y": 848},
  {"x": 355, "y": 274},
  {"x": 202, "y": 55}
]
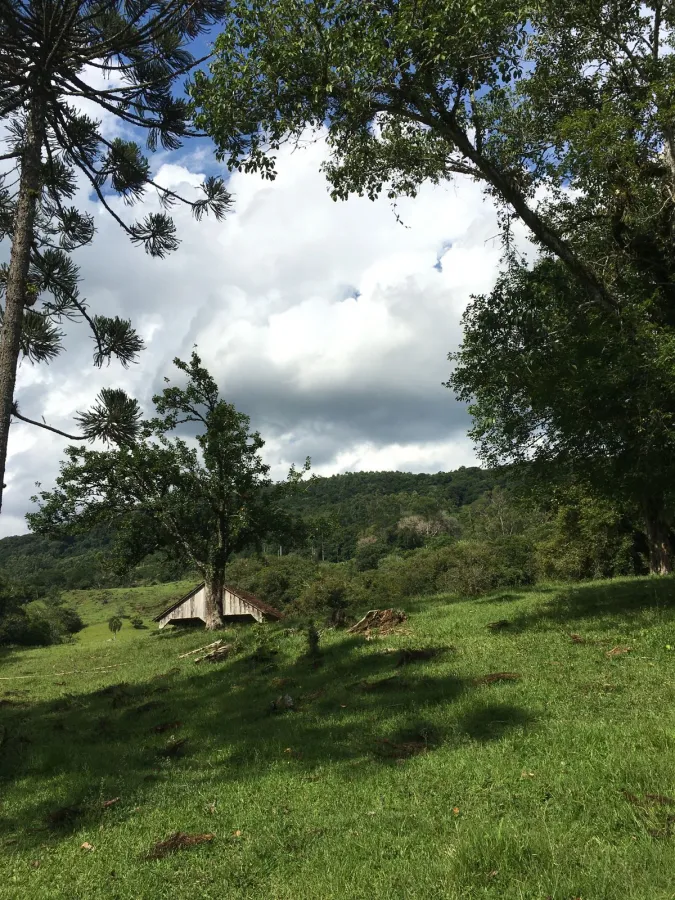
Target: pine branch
[{"x": 71, "y": 437}]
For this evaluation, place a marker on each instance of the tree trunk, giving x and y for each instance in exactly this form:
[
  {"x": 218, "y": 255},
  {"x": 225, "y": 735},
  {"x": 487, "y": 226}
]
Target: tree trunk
[
  {"x": 17, "y": 279},
  {"x": 542, "y": 231},
  {"x": 657, "y": 531},
  {"x": 214, "y": 604}
]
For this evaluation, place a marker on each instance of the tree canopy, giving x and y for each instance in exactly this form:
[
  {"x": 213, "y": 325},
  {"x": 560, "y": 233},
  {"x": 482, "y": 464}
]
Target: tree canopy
[
  {"x": 518, "y": 96},
  {"x": 573, "y": 390}
]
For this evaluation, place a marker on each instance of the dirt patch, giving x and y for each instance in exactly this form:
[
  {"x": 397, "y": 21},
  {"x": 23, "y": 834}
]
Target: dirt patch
[
  {"x": 150, "y": 706},
  {"x": 177, "y": 841},
  {"x": 651, "y": 809},
  {"x": 496, "y": 676},
  {"x": 166, "y": 726},
  {"x": 421, "y": 654},
  {"x": 64, "y": 816},
  {"x": 174, "y": 749},
  {"x": 414, "y": 742},
  {"x": 119, "y": 694},
  {"x": 499, "y": 626},
  {"x": 400, "y": 750},
  {"x": 383, "y": 685}
]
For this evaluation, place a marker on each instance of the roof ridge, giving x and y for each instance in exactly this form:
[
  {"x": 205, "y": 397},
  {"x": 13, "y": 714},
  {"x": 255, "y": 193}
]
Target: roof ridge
[{"x": 249, "y": 598}]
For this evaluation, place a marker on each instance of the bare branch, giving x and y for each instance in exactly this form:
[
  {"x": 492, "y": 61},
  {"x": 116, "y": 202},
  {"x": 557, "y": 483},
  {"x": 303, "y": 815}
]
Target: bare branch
[{"x": 71, "y": 437}]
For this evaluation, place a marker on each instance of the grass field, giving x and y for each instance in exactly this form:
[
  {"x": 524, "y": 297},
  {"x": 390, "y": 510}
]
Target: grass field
[{"x": 385, "y": 780}]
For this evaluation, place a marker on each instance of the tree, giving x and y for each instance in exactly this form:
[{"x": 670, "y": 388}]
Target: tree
[
  {"x": 518, "y": 96},
  {"x": 123, "y": 59},
  {"x": 201, "y": 504},
  {"x": 573, "y": 391},
  {"x": 115, "y": 625}
]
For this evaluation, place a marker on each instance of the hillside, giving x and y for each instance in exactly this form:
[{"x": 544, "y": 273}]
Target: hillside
[
  {"x": 351, "y": 502},
  {"x": 428, "y": 779}
]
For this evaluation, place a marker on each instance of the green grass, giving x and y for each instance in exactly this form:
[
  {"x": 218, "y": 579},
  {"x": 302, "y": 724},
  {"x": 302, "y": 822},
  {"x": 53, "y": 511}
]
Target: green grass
[{"x": 521, "y": 791}]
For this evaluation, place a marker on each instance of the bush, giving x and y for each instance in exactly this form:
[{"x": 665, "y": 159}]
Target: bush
[
  {"x": 26, "y": 631},
  {"x": 330, "y": 595},
  {"x": 589, "y": 538},
  {"x": 476, "y": 567},
  {"x": 67, "y": 620},
  {"x": 137, "y": 622},
  {"x": 278, "y": 580},
  {"x": 368, "y": 555},
  {"x": 34, "y": 624}
]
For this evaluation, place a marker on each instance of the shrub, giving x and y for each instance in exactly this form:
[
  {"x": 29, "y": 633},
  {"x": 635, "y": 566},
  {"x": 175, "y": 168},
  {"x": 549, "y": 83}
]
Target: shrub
[
  {"x": 588, "y": 538},
  {"x": 477, "y": 567},
  {"x": 329, "y": 595},
  {"x": 278, "y": 580},
  {"x": 137, "y": 622},
  {"x": 368, "y": 555},
  {"x": 26, "y": 631},
  {"x": 67, "y": 620}
]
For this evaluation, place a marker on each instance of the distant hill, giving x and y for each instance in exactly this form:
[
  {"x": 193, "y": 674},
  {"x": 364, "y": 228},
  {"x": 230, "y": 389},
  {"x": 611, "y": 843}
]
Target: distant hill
[
  {"x": 351, "y": 502},
  {"x": 458, "y": 488}
]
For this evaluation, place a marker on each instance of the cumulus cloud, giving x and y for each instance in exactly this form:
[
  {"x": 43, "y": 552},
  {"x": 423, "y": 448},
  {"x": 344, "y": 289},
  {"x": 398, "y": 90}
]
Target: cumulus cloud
[{"x": 329, "y": 324}]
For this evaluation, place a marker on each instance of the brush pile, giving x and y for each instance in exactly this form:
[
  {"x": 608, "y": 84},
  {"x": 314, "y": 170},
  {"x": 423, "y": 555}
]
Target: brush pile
[{"x": 385, "y": 621}]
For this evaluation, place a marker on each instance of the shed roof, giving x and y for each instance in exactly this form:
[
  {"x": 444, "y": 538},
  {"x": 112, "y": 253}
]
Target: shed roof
[{"x": 264, "y": 608}]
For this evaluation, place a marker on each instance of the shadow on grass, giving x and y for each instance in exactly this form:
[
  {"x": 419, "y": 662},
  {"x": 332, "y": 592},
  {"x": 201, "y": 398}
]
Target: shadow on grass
[
  {"x": 79, "y": 751},
  {"x": 605, "y": 599},
  {"x": 494, "y": 721}
]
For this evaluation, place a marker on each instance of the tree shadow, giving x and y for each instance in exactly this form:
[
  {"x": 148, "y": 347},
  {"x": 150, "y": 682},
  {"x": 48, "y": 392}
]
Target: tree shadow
[
  {"x": 493, "y": 721},
  {"x": 502, "y": 598},
  {"x": 80, "y": 751},
  {"x": 616, "y": 599}
]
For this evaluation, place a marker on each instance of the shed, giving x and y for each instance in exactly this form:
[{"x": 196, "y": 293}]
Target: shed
[{"x": 238, "y": 606}]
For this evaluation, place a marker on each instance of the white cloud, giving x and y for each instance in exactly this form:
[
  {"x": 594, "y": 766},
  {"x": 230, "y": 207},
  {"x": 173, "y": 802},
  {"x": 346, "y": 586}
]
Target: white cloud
[{"x": 328, "y": 323}]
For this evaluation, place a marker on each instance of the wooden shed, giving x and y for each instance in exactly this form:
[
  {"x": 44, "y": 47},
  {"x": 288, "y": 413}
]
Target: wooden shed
[{"x": 238, "y": 606}]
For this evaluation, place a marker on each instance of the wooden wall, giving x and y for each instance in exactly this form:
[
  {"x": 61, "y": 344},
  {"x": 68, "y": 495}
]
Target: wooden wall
[{"x": 195, "y": 608}]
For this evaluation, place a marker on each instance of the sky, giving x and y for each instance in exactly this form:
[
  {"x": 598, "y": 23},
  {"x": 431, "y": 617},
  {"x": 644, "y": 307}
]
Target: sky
[{"x": 328, "y": 323}]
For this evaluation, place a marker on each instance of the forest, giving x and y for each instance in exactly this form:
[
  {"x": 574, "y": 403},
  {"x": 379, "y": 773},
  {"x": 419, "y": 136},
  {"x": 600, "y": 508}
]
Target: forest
[{"x": 370, "y": 537}]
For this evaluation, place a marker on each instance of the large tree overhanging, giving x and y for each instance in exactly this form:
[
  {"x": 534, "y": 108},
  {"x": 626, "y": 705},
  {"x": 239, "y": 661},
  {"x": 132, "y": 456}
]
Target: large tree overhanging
[
  {"x": 566, "y": 390},
  {"x": 519, "y": 96},
  {"x": 49, "y": 49},
  {"x": 159, "y": 493}
]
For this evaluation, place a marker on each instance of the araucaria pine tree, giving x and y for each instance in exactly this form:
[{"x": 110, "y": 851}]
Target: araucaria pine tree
[
  {"x": 199, "y": 504},
  {"x": 126, "y": 59}
]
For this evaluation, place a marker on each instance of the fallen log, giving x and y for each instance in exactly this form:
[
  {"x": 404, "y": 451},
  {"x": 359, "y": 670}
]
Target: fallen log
[{"x": 200, "y": 649}]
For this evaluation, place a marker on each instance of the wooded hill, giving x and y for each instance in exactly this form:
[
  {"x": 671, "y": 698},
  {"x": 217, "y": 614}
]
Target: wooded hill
[{"x": 336, "y": 510}]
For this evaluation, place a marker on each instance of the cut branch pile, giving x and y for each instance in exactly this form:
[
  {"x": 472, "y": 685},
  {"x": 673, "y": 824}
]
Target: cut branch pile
[
  {"x": 216, "y": 655},
  {"x": 384, "y": 620}
]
